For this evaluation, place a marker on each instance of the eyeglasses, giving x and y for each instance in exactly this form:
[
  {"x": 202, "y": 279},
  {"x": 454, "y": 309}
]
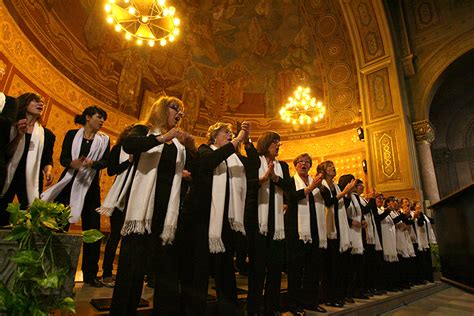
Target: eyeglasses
[
  {"x": 306, "y": 162},
  {"x": 174, "y": 107},
  {"x": 276, "y": 141}
]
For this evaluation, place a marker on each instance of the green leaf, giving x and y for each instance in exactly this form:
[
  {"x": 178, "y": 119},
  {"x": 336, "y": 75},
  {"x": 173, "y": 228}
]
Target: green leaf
[
  {"x": 50, "y": 282},
  {"x": 25, "y": 257},
  {"x": 67, "y": 304},
  {"x": 49, "y": 222},
  {"x": 13, "y": 208},
  {"x": 91, "y": 236},
  {"x": 18, "y": 232}
]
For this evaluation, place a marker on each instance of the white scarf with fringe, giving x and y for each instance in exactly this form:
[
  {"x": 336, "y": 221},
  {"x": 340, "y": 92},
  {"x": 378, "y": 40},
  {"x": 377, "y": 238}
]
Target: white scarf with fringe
[
  {"x": 114, "y": 198},
  {"x": 344, "y": 240},
  {"x": 389, "y": 238},
  {"x": 404, "y": 244},
  {"x": 264, "y": 198},
  {"x": 372, "y": 234},
  {"x": 355, "y": 213},
  {"x": 304, "y": 217},
  {"x": 237, "y": 194},
  {"x": 141, "y": 201},
  {"x": 84, "y": 176},
  {"x": 33, "y": 161},
  {"x": 425, "y": 234}
]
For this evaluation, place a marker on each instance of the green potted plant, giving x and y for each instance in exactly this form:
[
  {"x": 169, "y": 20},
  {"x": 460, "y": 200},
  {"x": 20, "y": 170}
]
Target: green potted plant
[{"x": 39, "y": 276}]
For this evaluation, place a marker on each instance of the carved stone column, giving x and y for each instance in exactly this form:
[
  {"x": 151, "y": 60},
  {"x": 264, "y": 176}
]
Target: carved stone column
[{"x": 424, "y": 135}]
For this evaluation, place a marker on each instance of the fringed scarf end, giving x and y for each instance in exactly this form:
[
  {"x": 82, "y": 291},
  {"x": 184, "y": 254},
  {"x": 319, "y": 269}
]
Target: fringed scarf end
[
  {"x": 216, "y": 245},
  {"x": 167, "y": 236}
]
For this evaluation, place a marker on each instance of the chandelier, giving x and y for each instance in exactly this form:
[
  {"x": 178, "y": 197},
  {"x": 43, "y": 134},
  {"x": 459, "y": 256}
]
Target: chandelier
[
  {"x": 302, "y": 108},
  {"x": 147, "y": 21}
]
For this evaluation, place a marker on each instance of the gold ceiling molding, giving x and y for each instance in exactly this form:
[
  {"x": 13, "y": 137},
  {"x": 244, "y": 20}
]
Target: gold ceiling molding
[{"x": 30, "y": 62}]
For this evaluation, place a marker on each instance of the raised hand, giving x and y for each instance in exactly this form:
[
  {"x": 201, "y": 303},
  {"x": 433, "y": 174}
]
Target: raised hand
[
  {"x": 187, "y": 140},
  {"x": 21, "y": 127}
]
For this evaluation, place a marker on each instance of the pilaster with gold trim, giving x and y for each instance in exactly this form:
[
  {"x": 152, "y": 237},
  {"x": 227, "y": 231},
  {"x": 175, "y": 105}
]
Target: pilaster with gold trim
[
  {"x": 424, "y": 133},
  {"x": 388, "y": 136}
]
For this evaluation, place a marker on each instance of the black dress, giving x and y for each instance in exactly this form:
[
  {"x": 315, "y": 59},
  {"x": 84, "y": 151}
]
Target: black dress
[
  {"x": 137, "y": 248},
  {"x": 18, "y": 184},
  {"x": 90, "y": 219}
]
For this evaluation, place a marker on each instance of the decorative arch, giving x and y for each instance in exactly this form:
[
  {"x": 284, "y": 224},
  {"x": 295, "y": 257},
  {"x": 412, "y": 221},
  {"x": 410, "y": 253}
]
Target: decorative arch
[{"x": 431, "y": 76}]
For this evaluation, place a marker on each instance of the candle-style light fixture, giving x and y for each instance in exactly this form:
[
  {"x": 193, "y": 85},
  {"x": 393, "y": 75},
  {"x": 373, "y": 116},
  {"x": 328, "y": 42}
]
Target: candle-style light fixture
[
  {"x": 145, "y": 21},
  {"x": 301, "y": 107}
]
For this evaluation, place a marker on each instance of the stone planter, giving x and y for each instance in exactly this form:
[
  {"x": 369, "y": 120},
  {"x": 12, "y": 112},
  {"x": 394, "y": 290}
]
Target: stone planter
[{"x": 66, "y": 249}]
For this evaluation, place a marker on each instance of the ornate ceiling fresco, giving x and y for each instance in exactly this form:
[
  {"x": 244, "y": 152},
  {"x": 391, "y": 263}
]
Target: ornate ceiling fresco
[{"x": 234, "y": 59}]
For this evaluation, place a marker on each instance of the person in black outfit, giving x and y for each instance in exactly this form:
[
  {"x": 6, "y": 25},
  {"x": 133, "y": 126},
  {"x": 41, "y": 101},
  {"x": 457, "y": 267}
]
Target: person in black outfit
[
  {"x": 31, "y": 144},
  {"x": 371, "y": 239},
  {"x": 305, "y": 252},
  {"x": 84, "y": 153},
  {"x": 219, "y": 199},
  {"x": 425, "y": 236},
  {"x": 338, "y": 233},
  {"x": 160, "y": 151},
  {"x": 8, "y": 116},
  {"x": 265, "y": 228},
  {"x": 120, "y": 165}
]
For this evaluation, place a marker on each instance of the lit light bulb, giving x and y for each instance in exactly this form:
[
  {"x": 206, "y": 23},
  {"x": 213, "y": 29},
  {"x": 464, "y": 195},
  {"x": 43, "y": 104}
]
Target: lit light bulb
[
  {"x": 166, "y": 12},
  {"x": 144, "y": 19},
  {"x": 131, "y": 10},
  {"x": 171, "y": 11},
  {"x": 176, "y": 31},
  {"x": 108, "y": 7},
  {"x": 171, "y": 38},
  {"x": 128, "y": 36},
  {"x": 161, "y": 2},
  {"x": 139, "y": 41},
  {"x": 110, "y": 19},
  {"x": 176, "y": 21},
  {"x": 163, "y": 42},
  {"x": 117, "y": 27},
  {"x": 151, "y": 43}
]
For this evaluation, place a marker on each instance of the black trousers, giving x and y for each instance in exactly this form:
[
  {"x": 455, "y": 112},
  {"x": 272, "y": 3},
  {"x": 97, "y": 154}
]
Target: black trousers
[
  {"x": 372, "y": 267},
  {"x": 266, "y": 258},
  {"x": 304, "y": 273},
  {"x": 116, "y": 223},
  {"x": 226, "y": 286},
  {"x": 130, "y": 274},
  {"x": 356, "y": 284},
  {"x": 337, "y": 272},
  {"x": 90, "y": 219},
  {"x": 390, "y": 274},
  {"x": 17, "y": 188}
]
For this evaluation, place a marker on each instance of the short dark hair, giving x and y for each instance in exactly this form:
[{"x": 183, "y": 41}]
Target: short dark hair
[
  {"x": 359, "y": 181},
  {"x": 391, "y": 198},
  {"x": 344, "y": 180},
  {"x": 265, "y": 140},
  {"x": 90, "y": 111}
]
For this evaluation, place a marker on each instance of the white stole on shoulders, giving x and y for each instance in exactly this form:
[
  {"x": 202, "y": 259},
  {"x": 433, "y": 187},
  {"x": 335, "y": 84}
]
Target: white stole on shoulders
[
  {"x": 33, "y": 161},
  {"x": 84, "y": 176},
  {"x": 264, "y": 198}
]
